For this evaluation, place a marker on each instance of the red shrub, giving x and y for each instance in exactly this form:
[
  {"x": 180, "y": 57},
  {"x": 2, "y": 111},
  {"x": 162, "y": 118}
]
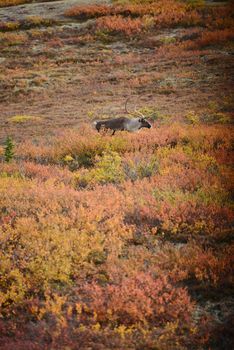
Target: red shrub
[
  {"x": 119, "y": 24},
  {"x": 139, "y": 299},
  {"x": 37, "y": 171},
  {"x": 213, "y": 37},
  {"x": 85, "y": 12}
]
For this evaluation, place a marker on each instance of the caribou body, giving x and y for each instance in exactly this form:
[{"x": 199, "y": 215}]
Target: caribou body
[{"x": 123, "y": 123}]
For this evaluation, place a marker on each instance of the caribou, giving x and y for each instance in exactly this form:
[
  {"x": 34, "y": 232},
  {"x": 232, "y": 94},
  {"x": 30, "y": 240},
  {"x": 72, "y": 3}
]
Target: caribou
[{"x": 124, "y": 123}]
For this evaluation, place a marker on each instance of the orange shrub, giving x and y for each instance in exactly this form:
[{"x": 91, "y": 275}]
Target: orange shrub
[
  {"x": 130, "y": 19},
  {"x": 5, "y": 3},
  {"x": 10, "y": 39},
  {"x": 191, "y": 48},
  {"x": 213, "y": 37},
  {"x": 161, "y": 8},
  {"x": 118, "y": 24},
  {"x": 101, "y": 265},
  {"x": 209, "y": 267},
  {"x": 138, "y": 299},
  {"x": 37, "y": 171},
  {"x": 90, "y": 11},
  {"x": 203, "y": 267}
]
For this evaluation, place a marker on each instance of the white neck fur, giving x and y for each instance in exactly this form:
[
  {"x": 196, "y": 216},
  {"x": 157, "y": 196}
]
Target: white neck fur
[{"x": 132, "y": 124}]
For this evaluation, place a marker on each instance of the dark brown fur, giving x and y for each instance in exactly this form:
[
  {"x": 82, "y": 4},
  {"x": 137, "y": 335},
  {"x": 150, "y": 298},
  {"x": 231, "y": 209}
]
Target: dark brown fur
[{"x": 113, "y": 124}]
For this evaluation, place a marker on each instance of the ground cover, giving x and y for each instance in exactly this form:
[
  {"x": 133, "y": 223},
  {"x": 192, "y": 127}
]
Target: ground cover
[{"x": 122, "y": 242}]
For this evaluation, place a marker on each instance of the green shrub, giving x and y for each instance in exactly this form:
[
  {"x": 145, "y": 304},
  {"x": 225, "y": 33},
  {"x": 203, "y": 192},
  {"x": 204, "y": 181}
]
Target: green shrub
[{"x": 9, "y": 149}]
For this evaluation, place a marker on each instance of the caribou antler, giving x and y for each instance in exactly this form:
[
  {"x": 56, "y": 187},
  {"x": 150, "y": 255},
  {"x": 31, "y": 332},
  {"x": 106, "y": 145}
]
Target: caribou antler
[
  {"x": 135, "y": 110},
  {"x": 127, "y": 111},
  {"x": 126, "y": 106},
  {"x": 140, "y": 114}
]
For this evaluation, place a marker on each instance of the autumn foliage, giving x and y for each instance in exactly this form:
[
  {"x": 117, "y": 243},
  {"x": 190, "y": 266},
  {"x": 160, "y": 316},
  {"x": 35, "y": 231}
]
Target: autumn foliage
[
  {"x": 83, "y": 221},
  {"x": 147, "y": 17},
  {"x": 124, "y": 241}
]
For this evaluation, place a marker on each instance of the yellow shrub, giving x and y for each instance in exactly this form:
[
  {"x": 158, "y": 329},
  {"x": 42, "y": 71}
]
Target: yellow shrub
[
  {"x": 68, "y": 158},
  {"x": 13, "y": 283},
  {"x": 192, "y": 118},
  {"x": 108, "y": 169}
]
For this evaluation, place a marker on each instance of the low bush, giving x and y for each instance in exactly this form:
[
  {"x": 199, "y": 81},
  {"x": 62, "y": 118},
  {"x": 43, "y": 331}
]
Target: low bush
[
  {"x": 119, "y": 25},
  {"x": 100, "y": 235},
  {"x": 138, "y": 299},
  {"x": 11, "y": 39},
  {"x": 107, "y": 169},
  {"x": 5, "y": 3}
]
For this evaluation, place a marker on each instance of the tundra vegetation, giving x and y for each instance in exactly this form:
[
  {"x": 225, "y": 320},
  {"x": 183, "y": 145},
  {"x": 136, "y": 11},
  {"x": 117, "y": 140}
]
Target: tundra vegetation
[
  {"x": 124, "y": 241},
  {"x": 6, "y": 3}
]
